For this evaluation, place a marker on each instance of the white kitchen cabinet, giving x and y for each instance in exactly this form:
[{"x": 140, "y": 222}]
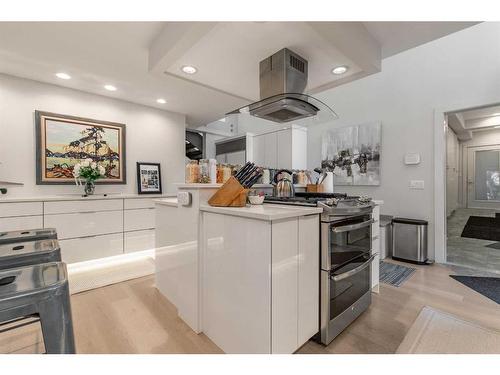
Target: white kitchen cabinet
[
  {"x": 85, "y": 224},
  {"x": 284, "y": 148},
  {"x": 139, "y": 240},
  {"x": 76, "y": 206},
  {"x": 131, "y": 204},
  {"x": 376, "y": 248},
  {"x": 259, "y": 292},
  {"x": 19, "y": 223},
  {"x": 21, "y": 209},
  {"x": 139, "y": 219},
  {"x": 87, "y": 248}
]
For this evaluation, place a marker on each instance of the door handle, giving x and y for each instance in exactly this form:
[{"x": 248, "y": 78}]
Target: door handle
[{"x": 354, "y": 271}]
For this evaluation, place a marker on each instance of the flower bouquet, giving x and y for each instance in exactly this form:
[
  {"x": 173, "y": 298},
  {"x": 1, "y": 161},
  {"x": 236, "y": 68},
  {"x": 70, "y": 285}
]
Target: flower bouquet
[{"x": 89, "y": 171}]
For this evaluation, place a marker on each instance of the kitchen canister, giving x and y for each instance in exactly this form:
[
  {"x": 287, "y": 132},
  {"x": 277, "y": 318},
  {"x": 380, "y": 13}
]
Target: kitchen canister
[
  {"x": 328, "y": 183},
  {"x": 212, "y": 170},
  {"x": 266, "y": 177}
]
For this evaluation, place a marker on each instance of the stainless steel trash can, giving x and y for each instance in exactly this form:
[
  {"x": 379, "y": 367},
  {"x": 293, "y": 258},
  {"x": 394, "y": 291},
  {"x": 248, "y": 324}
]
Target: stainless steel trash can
[
  {"x": 409, "y": 240},
  {"x": 21, "y": 254},
  {"x": 27, "y": 235},
  {"x": 385, "y": 225}
]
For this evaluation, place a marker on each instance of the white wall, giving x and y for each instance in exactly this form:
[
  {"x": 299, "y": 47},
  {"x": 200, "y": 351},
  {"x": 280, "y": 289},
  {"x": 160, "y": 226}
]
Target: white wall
[
  {"x": 403, "y": 96},
  {"x": 152, "y": 135}
]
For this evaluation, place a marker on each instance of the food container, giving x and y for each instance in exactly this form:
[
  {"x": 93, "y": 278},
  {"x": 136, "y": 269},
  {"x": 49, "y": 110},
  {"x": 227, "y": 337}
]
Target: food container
[
  {"x": 226, "y": 173},
  {"x": 256, "y": 199},
  {"x": 192, "y": 172},
  {"x": 212, "y": 169}
]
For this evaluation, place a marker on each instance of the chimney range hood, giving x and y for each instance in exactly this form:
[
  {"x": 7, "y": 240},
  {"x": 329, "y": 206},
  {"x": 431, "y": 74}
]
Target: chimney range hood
[{"x": 283, "y": 78}]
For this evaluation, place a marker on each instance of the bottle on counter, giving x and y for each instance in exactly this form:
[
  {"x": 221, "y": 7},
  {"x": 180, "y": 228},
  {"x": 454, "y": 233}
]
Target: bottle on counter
[
  {"x": 212, "y": 170},
  {"x": 226, "y": 173},
  {"x": 204, "y": 171},
  {"x": 266, "y": 176},
  {"x": 220, "y": 173},
  {"x": 192, "y": 172}
]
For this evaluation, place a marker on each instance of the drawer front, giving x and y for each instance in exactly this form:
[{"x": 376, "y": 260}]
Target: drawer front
[
  {"x": 143, "y": 218},
  {"x": 8, "y": 224},
  {"x": 21, "y": 209},
  {"x": 139, "y": 240},
  {"x": 85, "y": 224},
  {"x": 87, "y": 248},
  {"x": 66, "y": 207},
  {"x": 134, "y": 203}
]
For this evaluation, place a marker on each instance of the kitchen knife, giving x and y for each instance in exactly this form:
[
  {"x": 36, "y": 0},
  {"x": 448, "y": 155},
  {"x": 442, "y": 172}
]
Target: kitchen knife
[{"x": 243, "y": 170}]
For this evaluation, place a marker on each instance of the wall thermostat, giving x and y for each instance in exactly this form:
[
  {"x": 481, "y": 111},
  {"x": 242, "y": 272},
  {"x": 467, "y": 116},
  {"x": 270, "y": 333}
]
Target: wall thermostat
[
  {"x": 184, "y": 198},
  {"x": 412, "y": 159}
]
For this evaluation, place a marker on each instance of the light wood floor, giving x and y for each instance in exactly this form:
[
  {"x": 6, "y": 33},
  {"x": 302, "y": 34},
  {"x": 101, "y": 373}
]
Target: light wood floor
[{"x": 133, "y": 317}]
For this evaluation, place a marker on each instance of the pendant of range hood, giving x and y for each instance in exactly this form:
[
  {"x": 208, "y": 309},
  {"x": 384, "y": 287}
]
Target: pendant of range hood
[{"x": 283, "y": 77}]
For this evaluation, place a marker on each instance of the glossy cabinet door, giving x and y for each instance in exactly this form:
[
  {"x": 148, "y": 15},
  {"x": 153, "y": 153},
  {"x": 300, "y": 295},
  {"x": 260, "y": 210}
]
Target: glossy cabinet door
[
  {"x": 285, "y": 283},
  {"x": 84, "y": 224},
  {"x": 308, "y": 285},
  {"x": 87, "y": 248},
  {"x": 139, "y": 240},
  {"x": 77, "y": 206},
  {"x": 21, "y": 209},
  {"x": 236, "y": 283},
  {"x": 139, "y": 219},
  {"x": 19, "y": 223}
]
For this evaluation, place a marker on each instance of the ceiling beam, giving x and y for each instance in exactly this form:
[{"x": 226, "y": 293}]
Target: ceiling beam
[
  {"x": 174, "y": 41},
  {"x": 354, "y": 41}
]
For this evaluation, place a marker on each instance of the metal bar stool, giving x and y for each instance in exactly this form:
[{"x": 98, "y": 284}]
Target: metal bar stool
[
  {"x": 40, "y": 290},
  {"x": 27, "y": 235},
  {"x": 20, "y": 254}
]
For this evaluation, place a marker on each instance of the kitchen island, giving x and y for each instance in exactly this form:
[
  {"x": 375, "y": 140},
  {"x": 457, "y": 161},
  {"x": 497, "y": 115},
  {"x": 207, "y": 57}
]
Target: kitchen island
[{"x": 246, "y": 277}]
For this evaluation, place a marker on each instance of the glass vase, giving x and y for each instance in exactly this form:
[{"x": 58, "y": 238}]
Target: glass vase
[{"x": 89, "y": 187}]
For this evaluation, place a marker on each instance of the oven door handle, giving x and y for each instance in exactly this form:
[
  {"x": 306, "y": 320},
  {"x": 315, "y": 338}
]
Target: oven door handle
[
  {"x": 354, "y": 271},
  {"x": 347, "y": 228}
]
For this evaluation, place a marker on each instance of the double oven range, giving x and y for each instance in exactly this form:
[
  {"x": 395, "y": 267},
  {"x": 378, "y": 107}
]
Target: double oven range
[{"x": 345, "y": 258}]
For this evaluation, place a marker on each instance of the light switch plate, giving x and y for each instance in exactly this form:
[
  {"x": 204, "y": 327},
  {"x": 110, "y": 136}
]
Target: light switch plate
[
  {"x": 184, "y": 198},
  {"x": 416, "y": 184},
  {"x": 412, "y": 159}
]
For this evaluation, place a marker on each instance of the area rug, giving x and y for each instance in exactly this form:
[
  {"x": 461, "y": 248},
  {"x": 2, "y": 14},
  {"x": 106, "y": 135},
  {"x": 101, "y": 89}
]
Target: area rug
[
  {"x": 483, "y": 228},
  {"x": 437, "y": 332},
  {"x": 394, "y": 274},
  {"x": 495, "y": 245},
  {"x": 487, "y": 286}
]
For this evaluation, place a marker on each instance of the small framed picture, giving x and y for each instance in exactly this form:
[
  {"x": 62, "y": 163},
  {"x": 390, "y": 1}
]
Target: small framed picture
[{"x": 148, "y": 178}]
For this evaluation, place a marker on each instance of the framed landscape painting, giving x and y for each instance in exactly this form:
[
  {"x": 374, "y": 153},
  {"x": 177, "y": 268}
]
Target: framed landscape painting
[{"x": 63, "y": 141}]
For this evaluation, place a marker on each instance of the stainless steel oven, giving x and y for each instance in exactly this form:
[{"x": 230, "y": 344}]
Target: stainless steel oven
[{"x": 345, "y": 276}]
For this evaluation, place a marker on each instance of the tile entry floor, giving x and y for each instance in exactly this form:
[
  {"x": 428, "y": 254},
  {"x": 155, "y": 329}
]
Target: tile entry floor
[{"x": 470, "y": 252}]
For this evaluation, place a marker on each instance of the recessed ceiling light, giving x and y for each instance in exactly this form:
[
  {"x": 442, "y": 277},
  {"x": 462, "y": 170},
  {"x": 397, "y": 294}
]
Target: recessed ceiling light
[
  {"x": 110, "y": 87},
  {"x": 161, "y": 101},
  {"x": 188, "y": 69},
  {"x": 497, "y": 127},
  {"x": 63, "y": 75},
  {"x": 496, "y": 114},
  {"x": 339, "y": 70}
]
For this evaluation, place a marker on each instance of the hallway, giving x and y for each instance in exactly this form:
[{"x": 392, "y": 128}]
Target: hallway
[{"x": 470, "y": 252}]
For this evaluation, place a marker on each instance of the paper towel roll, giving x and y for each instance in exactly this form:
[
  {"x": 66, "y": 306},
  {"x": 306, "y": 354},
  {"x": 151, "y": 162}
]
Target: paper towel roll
[{"x": 328, "y": 183}]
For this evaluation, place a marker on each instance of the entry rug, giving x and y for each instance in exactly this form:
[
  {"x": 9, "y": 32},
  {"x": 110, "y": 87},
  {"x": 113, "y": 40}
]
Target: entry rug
[
  {"x": 394, "y": 274},
  {"x": 482, "y": 228},
  {"x": 487, "y": 286}
]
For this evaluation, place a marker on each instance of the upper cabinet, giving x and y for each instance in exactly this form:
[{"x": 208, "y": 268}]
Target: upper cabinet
[{"x": 284, "y": 148}]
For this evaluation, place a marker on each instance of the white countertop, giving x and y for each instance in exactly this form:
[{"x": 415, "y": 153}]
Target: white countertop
[
  {"x": 266, "y": 212},
  {"x": 78, "y": 197},
  {"x": 216, "y": 186},
  {"x": 171, "y": 202}
]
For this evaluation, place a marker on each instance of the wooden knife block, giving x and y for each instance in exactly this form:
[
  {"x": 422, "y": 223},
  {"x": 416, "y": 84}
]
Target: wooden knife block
[
  {"x": 231, "y": 194},
  {"x": 313, "y": 188}
]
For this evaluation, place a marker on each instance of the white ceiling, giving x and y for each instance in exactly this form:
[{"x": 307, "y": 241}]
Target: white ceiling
[
  {"x": 143, "y": 59},
  {"x": 465, "y": 123}
]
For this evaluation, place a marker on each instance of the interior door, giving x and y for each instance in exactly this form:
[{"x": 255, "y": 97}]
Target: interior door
[{"x": 483, "y": 177}]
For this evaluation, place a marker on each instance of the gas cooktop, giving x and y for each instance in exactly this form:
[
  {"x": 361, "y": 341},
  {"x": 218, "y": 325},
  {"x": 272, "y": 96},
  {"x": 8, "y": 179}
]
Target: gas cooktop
[{"x": 333, "y": 204}]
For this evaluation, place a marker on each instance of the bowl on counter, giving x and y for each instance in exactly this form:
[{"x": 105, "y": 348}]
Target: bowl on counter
[{"x": 256, "y": 199}]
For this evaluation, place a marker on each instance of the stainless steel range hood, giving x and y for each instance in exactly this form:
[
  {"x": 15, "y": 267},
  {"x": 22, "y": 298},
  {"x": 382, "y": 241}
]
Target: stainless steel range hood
[{"x": 283, "y": 78}]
